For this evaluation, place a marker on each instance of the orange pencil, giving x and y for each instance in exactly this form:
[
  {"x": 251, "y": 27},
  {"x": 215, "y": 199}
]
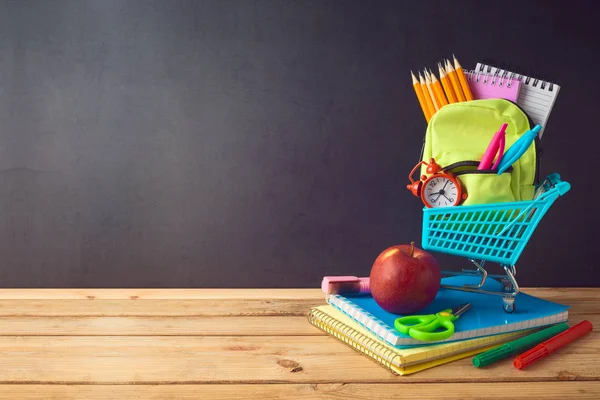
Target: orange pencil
[
  {"x": 434, "y": 99},
  {"x": 447, "y": 85},
  {"x": 462, "y": 79},
  {"x": 427, "y": 97},
  {"x": 437, "y": 89},
  {"x": 455, "y": 83},
  {"x": 419, "y": 92}
]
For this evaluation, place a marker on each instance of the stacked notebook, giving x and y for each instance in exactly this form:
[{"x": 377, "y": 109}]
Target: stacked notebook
[{"x": 357, "y": 321}]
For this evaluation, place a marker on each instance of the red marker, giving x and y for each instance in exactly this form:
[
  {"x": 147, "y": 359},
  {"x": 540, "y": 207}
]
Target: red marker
[{"x": 549, "y": 346}]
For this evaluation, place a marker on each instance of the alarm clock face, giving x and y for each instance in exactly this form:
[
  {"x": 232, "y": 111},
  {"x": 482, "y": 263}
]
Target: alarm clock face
[{"x": 441, "y": 191}]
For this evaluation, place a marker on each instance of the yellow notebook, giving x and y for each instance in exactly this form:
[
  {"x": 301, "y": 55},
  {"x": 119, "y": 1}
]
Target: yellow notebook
[{"x": 403, "y": 361}]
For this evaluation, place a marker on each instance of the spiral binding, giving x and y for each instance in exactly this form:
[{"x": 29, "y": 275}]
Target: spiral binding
[
  {"x": 353, "y": 339},
  {"x": 376, "y": 326},
  {"x": 499, "y": 77},
  {"x": 486, "y": 69}
]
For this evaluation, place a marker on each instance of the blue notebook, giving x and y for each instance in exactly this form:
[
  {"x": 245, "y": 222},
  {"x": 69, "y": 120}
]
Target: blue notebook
[{"x": 486, "y": 316}]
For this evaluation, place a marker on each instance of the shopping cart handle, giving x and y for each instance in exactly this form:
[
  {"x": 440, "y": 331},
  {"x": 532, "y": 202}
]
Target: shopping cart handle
[
  {"x": 560, "y": 186},
  {"x": 554, "y": 178},
  {"x": 563, "y": 187}
]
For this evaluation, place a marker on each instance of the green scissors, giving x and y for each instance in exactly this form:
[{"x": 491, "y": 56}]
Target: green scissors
[{"x": 422, "y": 327}]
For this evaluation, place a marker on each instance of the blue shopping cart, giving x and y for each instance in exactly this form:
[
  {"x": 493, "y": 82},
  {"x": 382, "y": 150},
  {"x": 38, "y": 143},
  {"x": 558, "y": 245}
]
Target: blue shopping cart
[{"x": 490, "y": 233}]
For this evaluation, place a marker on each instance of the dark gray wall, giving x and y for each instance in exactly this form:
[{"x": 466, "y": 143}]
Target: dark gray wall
[{"x": 260, "y": 143}]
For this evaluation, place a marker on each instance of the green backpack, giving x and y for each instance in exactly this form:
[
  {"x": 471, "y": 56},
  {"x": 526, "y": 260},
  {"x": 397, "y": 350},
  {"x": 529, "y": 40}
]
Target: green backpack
[{"x": 457, "y": 137}]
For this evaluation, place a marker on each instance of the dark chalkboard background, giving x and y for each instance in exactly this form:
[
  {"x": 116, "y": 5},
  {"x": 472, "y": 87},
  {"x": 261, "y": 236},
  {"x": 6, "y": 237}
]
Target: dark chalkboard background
[{"x": 261, "y": 143}]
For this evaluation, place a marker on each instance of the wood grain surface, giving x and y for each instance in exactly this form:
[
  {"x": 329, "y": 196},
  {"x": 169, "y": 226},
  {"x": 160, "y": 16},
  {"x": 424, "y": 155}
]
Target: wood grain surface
[{"x": 221, "y": 344}]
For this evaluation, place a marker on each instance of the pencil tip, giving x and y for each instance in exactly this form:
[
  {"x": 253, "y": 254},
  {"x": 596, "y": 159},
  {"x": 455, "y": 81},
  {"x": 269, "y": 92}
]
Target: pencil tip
[
  {"x": 414, "y": 80},
  {"x": 456, "y": 63}
]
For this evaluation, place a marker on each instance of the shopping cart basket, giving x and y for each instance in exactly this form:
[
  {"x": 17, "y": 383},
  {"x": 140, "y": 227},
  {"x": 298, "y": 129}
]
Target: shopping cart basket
[{"x": 490, "y": 233}]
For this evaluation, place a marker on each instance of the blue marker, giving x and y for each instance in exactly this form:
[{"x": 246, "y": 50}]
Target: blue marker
[{"x": 518, "y": 149}]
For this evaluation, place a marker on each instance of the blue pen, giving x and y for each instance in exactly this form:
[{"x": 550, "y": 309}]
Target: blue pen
[{"x": 518, "y": 149}]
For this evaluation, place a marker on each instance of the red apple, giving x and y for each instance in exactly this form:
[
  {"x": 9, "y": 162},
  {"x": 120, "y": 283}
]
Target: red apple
[{"x": 404, "y": 279}]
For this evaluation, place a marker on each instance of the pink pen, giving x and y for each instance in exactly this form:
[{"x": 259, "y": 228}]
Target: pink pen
[
  {"x": 345, "y": 285},
  {"x": 496, "y": 146},
  {"x": 500, "y": 153}
]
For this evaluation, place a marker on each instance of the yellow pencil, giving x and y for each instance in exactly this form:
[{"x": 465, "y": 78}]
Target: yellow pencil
[
  {"x": 426, "y": 97},
  {"x": 462, "y": 79},
  {"x": 455, "y": 83},
  {"x": 430, "y": 90},
  {"x": 419, "y": 92},
  {"x": 447, "y": 85},
  {"x": 437, "y": 88}
]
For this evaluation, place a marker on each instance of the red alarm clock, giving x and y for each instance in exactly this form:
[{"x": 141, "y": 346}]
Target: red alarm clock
[{"x": 438, "y": 188}]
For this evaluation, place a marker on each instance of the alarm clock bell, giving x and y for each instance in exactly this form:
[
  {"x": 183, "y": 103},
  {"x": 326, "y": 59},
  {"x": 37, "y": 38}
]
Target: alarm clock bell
[{"x": 437, "y": 188}]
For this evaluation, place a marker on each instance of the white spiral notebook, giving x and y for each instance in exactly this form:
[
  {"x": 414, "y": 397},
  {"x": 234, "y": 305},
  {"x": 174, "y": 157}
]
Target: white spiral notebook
[{"x": 536, "y": 97}]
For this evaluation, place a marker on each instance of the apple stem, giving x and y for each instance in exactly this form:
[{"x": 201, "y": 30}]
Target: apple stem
[{"x": 412, "y": 248}]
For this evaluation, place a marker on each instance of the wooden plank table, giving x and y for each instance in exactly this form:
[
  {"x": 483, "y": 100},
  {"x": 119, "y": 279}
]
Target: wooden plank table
[{"x": 240, "y": 343}]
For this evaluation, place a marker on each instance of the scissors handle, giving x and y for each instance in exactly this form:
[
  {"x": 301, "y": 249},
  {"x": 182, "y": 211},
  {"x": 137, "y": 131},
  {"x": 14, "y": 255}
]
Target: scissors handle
[
  {"x": 422, "y": 327},
  {"x": 426, "y": 333},
  {"x": 405, "y": 324}
]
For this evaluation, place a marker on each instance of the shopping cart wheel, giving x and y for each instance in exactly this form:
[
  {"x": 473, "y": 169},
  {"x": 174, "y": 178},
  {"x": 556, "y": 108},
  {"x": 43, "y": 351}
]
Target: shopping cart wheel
[{"x": 508, "y": 304}]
